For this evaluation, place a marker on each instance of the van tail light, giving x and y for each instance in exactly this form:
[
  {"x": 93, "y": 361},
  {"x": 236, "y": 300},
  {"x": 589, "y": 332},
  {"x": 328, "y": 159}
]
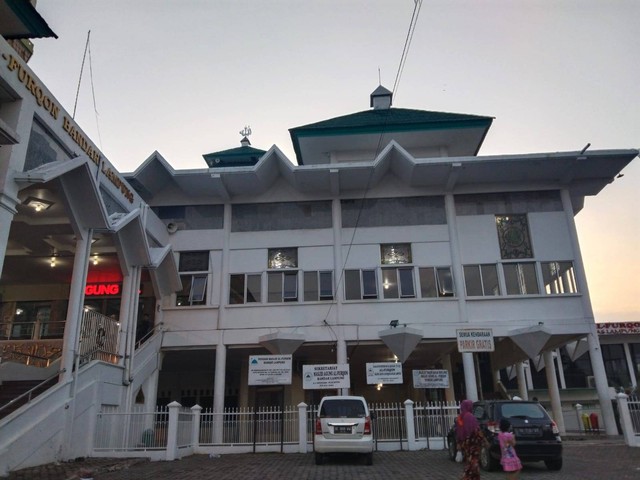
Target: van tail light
[
  {"x": 493, "y": 427},
  {"x": 318, "y": 427},
  {"x": 554, "y": 428},
  {"x": 367, "y": 426}
]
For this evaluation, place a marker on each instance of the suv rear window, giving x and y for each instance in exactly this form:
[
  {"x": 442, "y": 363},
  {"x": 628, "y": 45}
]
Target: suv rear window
[
  {"x": 342, "y": 408},
  {"x": 522, "y": 410}
]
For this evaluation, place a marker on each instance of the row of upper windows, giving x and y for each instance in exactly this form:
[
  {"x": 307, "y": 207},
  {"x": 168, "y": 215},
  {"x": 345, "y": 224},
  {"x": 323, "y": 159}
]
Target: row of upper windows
[
  {"x": 557, "y": 278},
  {"x": 398, "y": 281},
  {"x": 369, "y": 212}
]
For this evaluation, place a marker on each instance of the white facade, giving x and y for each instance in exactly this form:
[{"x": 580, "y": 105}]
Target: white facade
[{"x": 392, "y": 221}]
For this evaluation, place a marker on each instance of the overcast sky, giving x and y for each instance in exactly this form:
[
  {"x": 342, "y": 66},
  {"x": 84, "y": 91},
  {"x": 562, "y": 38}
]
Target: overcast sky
[{"x": 184, "y": 77}]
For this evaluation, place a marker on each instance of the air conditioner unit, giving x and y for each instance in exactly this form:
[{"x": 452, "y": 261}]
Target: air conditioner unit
[{"x": 591, "y": 381}]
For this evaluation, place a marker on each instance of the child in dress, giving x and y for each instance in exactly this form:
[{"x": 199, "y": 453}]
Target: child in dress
[{"x": 509, "y": 460}]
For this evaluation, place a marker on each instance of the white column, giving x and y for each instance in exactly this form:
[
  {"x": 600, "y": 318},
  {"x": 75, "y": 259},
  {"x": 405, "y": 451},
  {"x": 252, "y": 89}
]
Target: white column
[
  {"x": 595, "y": 353},
  {"x": 218, "y": 390},
  {"x": 302, "y": 427},
  {"x": 75, "y": 308},
  {"x": 527, "y": 373},
  {"x": 558, "y": 361},
  {"x": 602, "y": 385},
  {"x": 470, "y": 381},
  {"x": 410, "y": 425},
  {"x": 172, "y": 431},
  {"x": 554, "y": 392},
  {"x": 341, "y": 355},
  {"x": 523, "y": 391},
  {"x": 630, "y": 366},
  {"x": 449, "y": 393},
  {"x": 470, "y": 376}
]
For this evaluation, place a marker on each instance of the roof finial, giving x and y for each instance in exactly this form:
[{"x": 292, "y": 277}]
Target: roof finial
[
  {"x": 379, "y": 79},
  {"x": 245, "y": 132}
]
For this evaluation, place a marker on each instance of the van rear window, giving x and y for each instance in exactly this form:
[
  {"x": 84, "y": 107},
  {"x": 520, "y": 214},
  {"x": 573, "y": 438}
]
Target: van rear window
[{"x": 342, "y": 409}]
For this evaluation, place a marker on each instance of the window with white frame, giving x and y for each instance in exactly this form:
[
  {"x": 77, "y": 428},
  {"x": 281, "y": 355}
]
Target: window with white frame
[
  {"x": 318, "y": 285},
  {"x": 481, "y": 280},
  {"x": 282, "y": 286},
  {"x": 398, "y": 282},
  {"x": 436, "y": 282},
  {"x": 360, "y": 284},
  {"x": 245, "y": 288},
  {"x": 520, "y": 278},
  {"x": 558, "y": 277},
  {"x": 194, "y": 271}
]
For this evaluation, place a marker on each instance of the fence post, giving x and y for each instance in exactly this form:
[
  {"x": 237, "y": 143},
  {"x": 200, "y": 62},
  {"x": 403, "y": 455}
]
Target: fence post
[
  {"x": 411, "y": 428},
  {"x": 302, "y": 427},
  {"x": 195, "y": 426},
  {"x": 578, "y": 408},
  {"x": 172, "y": 430},
  {"x": 625, "y": 419}
]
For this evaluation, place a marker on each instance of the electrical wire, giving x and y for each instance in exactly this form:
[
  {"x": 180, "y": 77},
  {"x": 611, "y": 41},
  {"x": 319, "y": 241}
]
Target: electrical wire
[
  {"x": 407, "y": 43},
  {"x": 84, "y": 56},
  {"x": 93, "y": 95},
  {"x": 405, "y": 51}
]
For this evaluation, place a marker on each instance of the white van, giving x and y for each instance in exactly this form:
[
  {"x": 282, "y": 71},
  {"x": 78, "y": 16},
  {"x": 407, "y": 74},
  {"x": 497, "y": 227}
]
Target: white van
[{"x": 343, "y": 425}]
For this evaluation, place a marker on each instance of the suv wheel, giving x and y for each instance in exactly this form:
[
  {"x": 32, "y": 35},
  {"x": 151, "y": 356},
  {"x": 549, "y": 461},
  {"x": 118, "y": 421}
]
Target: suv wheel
[
  {"x": 487, "y": 462},
  {"x": 319, "y": 458},
  {"x": 554, "y": 464},
  {"x": 453, "y": 449}
]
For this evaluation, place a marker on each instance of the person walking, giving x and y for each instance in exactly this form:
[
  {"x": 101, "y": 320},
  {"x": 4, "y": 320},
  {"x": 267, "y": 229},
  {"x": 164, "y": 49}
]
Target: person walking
[
  {"x": 470, "y": 439},
  {"x": 508, "y": 457}
]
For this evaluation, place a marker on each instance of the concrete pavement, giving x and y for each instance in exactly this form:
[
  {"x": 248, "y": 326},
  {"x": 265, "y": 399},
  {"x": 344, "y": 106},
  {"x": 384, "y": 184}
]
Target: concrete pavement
[{"x": 597, "y": 458}]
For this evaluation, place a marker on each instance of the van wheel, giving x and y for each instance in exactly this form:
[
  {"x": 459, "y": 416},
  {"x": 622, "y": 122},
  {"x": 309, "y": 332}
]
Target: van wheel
[
  {"x": 554, "y": 464},
  {"x": 319, "y": 458},
  {"x": 368, "y": 458}
]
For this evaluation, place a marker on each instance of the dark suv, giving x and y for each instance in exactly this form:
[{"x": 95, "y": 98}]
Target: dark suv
[{"x": 537, "y": 436}]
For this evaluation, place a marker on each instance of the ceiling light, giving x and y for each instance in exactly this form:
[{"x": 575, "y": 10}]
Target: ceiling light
[
  {"x": 53, "y": 261},
  {"x": 38, "y": 204},
  {"x": 95, "y": 259}
]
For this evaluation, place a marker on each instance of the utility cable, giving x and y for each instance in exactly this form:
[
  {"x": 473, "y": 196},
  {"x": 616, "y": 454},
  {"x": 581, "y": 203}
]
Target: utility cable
[{"x": 84, "y": 56}]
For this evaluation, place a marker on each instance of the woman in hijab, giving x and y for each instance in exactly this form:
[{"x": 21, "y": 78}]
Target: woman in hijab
[{"x": 470, "y": 439}]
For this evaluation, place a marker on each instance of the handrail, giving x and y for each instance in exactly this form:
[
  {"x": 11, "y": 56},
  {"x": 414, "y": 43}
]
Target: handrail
[
  {"x": 30, "y": 391},
  {"x": 152, "y": 331}
]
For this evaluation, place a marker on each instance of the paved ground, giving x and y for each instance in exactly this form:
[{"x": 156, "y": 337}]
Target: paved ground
[{"x": 585, "y": 459}]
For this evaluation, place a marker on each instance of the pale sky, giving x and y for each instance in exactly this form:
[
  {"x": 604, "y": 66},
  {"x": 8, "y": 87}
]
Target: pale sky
[{"x": 183, "y": 77}]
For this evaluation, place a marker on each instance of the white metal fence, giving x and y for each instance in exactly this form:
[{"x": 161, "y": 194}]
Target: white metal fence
[
  {"x": 137, "y": 430},
  {"x": 396, "y": 426}
]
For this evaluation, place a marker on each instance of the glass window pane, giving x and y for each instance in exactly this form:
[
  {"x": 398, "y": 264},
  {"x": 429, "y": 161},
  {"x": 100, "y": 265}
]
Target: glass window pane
[
  {"x": 472, "y": 280},
  {"x": 490, "y": 280},
  {"x": 529, "y": 278},
  {"x": 568, "y": 277},
  {"x": 326, "y": 285},
  {"x": 427, "y": 283},
  {"x": 182, "y": 297},
  {"x": 511, "y": 278},
  {"x": 236, "y": 289},
  {"x": 390, "y": 282},
  {"x": 310, "y": 286},
  {"x": 369, "y": 286},
  {"x": 283, "y": 258},
  {"x": 513, "y": 236},
  {"x": 445, "y": 282},
  {"x": 290, "y": 286},
  {"x": 194, "y": 261},
  {"x": 352, "y": 285},
  {"x": 274, "y": 287},
  {"x": 407, "y": 289},
  {"x": 198, "y": 289},
  {"x": 395, "y": 253},
  {"x": 254, "y": 288}
]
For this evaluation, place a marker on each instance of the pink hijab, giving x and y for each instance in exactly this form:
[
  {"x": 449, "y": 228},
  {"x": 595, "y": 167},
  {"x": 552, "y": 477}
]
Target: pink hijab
[{"x": 466, "y": 423}]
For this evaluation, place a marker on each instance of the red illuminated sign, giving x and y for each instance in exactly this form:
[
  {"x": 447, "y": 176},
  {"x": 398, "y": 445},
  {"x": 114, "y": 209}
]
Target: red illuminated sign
[{"x": 101, "y": 289}]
